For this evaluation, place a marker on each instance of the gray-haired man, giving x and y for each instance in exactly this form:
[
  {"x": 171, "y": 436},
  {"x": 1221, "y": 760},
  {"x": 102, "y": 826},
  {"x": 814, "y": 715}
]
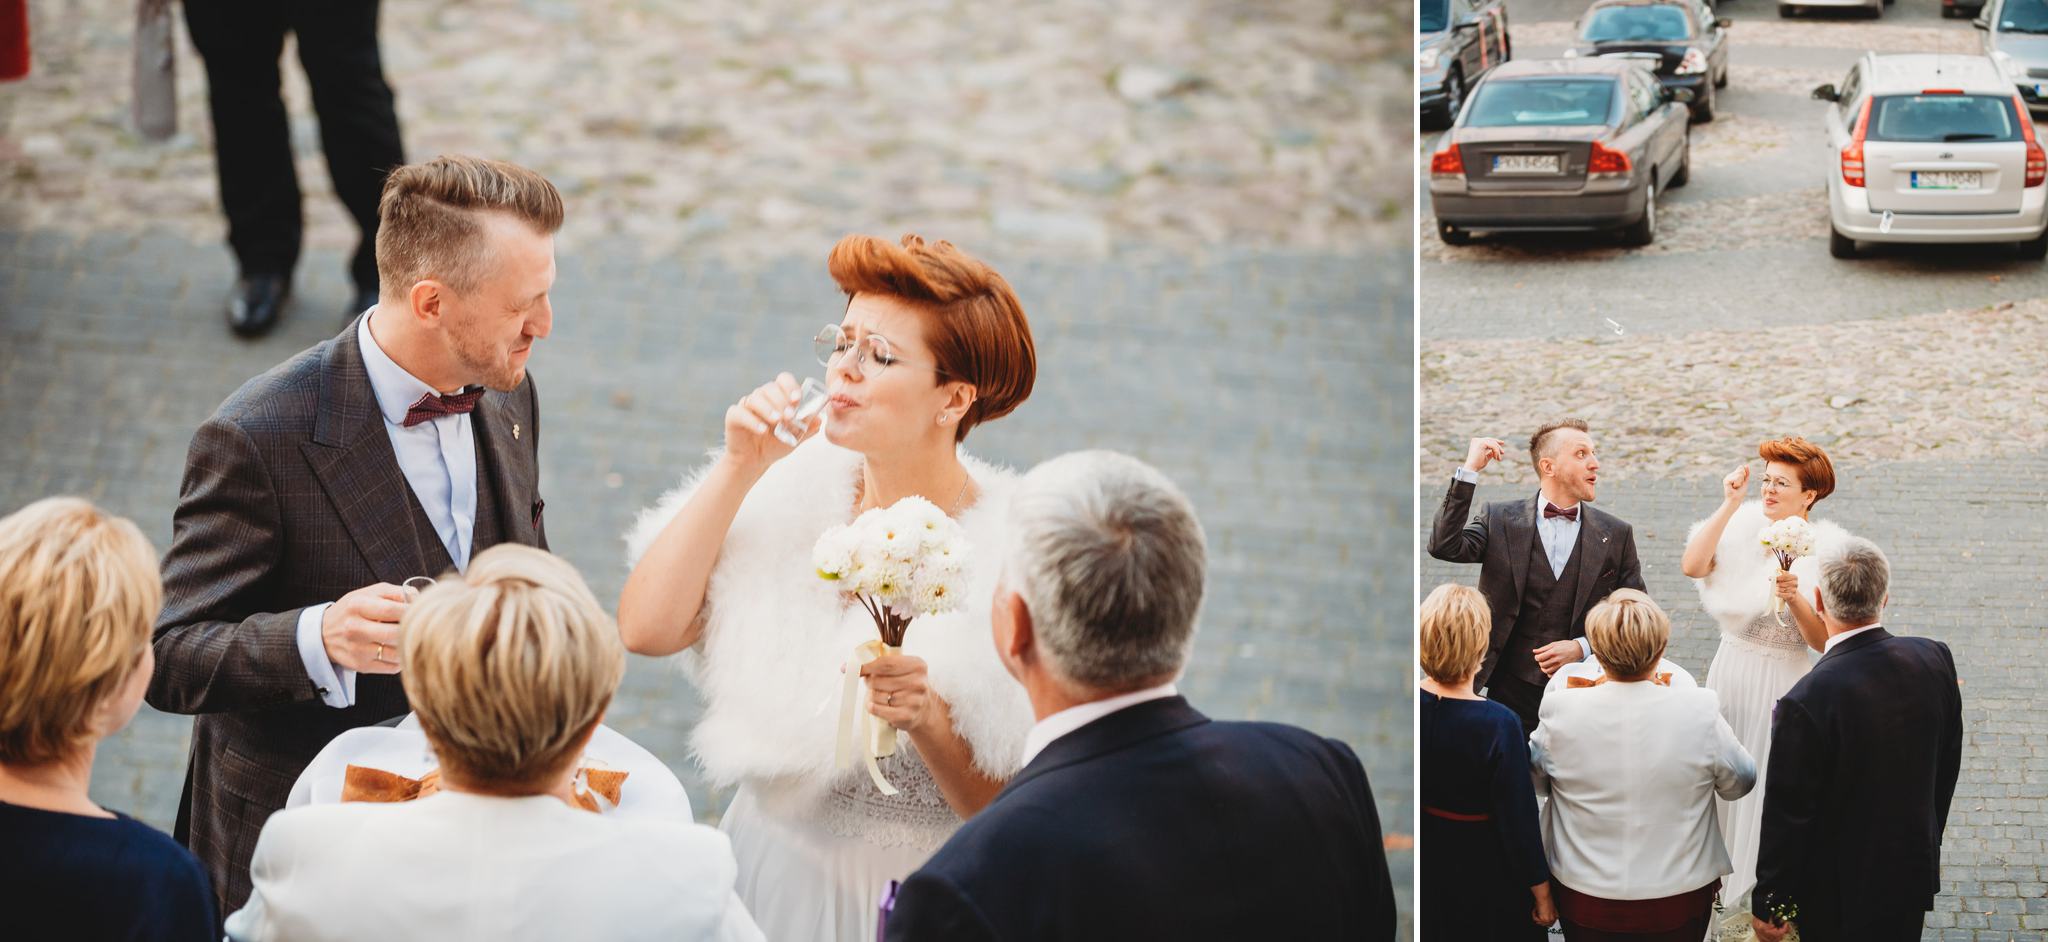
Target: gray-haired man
[
  {"x": 1136, "y": 816},
  {"x": 1865, "y": 750}
]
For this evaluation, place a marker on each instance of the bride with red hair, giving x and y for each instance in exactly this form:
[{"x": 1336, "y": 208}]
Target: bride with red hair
[{"x": 932, "y": 343}]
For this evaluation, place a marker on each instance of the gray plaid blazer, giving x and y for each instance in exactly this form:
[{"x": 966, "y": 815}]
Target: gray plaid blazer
[{"x": 292, "y": 496}]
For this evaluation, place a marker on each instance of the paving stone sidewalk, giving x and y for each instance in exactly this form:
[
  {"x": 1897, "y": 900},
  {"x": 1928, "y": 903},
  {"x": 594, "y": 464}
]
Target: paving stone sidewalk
[
  {"x": 1965, "y": 542},
  {"x": 1273, "y": 386}
]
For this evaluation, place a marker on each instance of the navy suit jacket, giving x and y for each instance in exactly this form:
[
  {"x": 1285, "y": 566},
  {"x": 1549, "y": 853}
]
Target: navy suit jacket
[
  {"x": 1156, "y": 823},
  {"x": 1865, "y": 750}
]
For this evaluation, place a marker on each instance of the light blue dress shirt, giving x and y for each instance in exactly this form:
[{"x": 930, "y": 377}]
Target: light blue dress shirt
[{"x": 438, "y": 458}]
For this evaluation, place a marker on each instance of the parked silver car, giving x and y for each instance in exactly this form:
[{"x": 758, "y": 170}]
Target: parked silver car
[
  {"x": 1562, "y": 144},
  {"x": 2016, "y": 39},
  {"x": 1932, "y": 149}
]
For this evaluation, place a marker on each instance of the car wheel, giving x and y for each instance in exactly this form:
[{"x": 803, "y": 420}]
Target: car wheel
[
  {"x": 1452, "y": 235},
  {"x": 1644, "y": 230},
  {"x": 1454, "y": 95},
  {"x": 1839, "y": 245},
  {"x": 2035, "y": 249},
  {"x": 1785, "y": 12},
  {"x": 1722, "y": 82},
  {"x": 1684, "y": 174},
  {"x": 1703, "y": 110}
]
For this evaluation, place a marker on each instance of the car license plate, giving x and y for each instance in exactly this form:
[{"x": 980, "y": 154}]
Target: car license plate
[
  {"x": 1947, "y": 179},
  {"x": 1525, "y": 163}
]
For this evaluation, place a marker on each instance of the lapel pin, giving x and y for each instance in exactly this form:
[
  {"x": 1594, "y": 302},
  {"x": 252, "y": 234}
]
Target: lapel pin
[{"x": 515, "y": 430}]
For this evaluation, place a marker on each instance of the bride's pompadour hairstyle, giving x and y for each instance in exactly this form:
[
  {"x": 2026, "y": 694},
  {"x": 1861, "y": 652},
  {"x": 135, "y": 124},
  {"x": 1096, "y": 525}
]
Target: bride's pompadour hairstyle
[
  {"x": 1816, "y": 472},
  {"x": 977, "y": 330}
]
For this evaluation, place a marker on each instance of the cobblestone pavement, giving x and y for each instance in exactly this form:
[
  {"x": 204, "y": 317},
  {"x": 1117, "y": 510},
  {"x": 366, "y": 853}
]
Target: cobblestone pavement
[
  {"x": 1964, "y": 539},
  {"x": 758, "y": 129},
  {"x": 1917, "y": 369},
  {"x": 1272, "y": 386}
]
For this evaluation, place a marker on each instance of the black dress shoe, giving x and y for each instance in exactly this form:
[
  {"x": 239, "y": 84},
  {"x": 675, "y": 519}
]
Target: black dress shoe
[
  {"x": 256, "y": 303},
  {"x": 364, "y": 300}
]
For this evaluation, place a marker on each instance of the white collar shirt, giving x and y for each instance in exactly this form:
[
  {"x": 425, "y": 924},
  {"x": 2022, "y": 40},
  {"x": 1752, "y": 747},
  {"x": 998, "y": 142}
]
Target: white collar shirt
[{"x": 1072, "y": 718}]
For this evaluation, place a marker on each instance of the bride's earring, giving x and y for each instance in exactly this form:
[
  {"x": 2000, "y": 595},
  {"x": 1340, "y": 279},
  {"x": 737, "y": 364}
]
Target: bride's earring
[{"x": 942, "y": 418}]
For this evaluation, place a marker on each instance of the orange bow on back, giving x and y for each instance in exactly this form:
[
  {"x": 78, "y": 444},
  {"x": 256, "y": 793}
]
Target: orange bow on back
[
  {"x": 361, "y": 783},
  {"x": 1570, "y": 683}
]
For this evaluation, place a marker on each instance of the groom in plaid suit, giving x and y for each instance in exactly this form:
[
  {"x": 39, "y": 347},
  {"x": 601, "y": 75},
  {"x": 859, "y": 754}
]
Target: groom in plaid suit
[{"x": 400, "y": 448}]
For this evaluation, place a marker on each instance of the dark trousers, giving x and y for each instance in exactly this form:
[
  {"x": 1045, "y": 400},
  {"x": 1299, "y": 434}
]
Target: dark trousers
[
  {"x": 1516, "y": 694},
  {"x": 241, "y": 42}
]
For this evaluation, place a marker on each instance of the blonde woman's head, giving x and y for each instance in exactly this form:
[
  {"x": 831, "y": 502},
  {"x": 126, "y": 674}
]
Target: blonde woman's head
[
  {"x": 78, "y": 593},
  {"x": 1453, "y": 626},
  {"x": 509, "y": 667},
  {"x": 1628, "y": 633}
]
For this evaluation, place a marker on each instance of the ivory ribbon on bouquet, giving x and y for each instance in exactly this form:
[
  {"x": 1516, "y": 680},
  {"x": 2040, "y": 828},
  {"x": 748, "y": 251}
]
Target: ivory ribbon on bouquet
[{"x": 857, "y": 724}]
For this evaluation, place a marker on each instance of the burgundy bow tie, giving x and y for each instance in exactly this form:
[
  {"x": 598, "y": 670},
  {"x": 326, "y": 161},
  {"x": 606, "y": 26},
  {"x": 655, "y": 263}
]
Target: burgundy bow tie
[
  {"x": 431, "y": 407},
  {"x": 1551, "y": 510}
]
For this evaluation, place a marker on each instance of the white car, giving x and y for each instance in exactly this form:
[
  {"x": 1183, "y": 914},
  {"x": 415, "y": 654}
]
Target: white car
[{"x": 1932, "y": 149}]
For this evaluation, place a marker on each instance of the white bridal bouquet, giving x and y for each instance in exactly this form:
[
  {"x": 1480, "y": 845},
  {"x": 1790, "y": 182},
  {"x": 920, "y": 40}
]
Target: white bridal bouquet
[
  {"x": 899, "y": 562},
  {"x": 1787, "y": 539}
]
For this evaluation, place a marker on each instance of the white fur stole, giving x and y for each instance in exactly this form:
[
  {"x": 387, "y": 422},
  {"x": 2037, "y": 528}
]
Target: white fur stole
[
  {"x": 1739, "y": 588},
  {"x": 775, "y": 635}
]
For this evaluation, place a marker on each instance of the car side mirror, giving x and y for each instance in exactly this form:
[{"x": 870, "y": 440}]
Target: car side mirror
[
  {"x": 1826, "y": 93},
  {"x": 1980, "y": 22},
  {"x": 1683, "y": 96},
  {"x": 1724, "y": 22}
]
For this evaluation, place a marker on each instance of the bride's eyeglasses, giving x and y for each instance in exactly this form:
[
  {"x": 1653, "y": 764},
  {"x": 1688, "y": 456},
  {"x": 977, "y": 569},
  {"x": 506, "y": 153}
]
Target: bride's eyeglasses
[
  {"x": 1781, "y": 484},
  {"x": 874, "y": 353}
]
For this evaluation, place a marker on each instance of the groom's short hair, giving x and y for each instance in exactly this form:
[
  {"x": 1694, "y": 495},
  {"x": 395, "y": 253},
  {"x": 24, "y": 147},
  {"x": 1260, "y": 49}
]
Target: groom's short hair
[
  {"x": 1853, "y": 581},
  {"x": 1108, "y": 557},
  {"x": 429, "y": 220},
  {"x": 1539, "y": 443}
]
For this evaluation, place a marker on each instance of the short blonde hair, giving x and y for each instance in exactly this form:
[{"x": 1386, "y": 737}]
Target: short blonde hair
[
  {"x": 509, "y": 664},
  {"x": 78, "y": 592},
  {"x": 1628, "y": 633},
  {"x": 1454, "y": 626}
]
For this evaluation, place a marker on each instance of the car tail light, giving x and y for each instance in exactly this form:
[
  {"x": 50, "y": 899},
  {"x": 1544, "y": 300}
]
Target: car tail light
[
  {"x": 1604, "y": 159},
  {"x": 1447, "y": 163},
  {"x": 1694, "y": 63},
  {"x": 2037, "y": 161},
  {"x": 1852, "y": 155}
]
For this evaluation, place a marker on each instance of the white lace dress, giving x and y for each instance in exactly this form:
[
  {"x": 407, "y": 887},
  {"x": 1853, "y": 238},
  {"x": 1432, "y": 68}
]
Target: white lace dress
[
  {"x": 1758, "y": 662},
  {"x": 816, "y": 845}
]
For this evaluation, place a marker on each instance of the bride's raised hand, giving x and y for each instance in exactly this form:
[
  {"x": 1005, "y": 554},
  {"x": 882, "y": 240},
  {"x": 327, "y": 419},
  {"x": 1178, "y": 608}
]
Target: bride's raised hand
[
  {"x": 750, "y": 423},
  {"x": 1735, "y": 486}
]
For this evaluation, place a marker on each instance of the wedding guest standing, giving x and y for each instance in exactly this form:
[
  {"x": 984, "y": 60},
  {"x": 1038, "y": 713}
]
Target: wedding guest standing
[
  {"x": 1484, "y": 878},
  {"x": 1136, "y": 817},
  {"x": 400, "y": 448},
  {"x": 1865, "y": 752},
  {"x": 509, "y": 668},
  {"x": 1631, "y": 768},
  {"x": 1543, "y": 560},
  {"x": 78, "y": 591},
  {"x": 1763, "y": 652},
  {"x": 240, "y": 42},
  {"x": 932, "y": 344}
]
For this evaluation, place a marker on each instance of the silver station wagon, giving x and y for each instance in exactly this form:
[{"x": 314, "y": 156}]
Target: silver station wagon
[{"x": 1563, "y": 144}]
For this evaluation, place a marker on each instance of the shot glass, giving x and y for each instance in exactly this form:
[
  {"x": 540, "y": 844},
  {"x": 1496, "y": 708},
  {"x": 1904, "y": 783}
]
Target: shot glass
[{"x": 811, "y": 400}]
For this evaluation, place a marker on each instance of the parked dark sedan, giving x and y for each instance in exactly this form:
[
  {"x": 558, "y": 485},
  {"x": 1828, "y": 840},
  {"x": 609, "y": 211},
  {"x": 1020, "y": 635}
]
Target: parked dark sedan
[
  {"x": 1562, "y": 144},
  {"x": 1457, "y": 43},
  {"x": 1681, "y": 40}
]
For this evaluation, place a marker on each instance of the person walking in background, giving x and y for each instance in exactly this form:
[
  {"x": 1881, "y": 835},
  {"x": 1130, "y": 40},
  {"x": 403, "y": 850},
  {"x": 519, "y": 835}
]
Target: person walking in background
[
  {"x": 1484, "y": 878},
  {"x": 1543, "y": 560},
  {"x": 1865, "y": 751},
  {"x": 1632, "y": 764},
  {"x": 241, "y": 42},
  {"x": 78, "y": 592}
]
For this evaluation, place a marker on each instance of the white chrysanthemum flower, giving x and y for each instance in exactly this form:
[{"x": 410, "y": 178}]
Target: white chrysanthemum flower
[{"x": 833, "y": 554}]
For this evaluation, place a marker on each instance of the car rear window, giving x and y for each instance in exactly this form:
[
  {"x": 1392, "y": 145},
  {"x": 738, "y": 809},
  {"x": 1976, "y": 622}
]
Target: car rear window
[
  {"x": 2023, "y": 16},
  {"x": 1943, "y": 118},
  {"x": 1637, "y": 24},
  {"x": 1504, "y": 103}
]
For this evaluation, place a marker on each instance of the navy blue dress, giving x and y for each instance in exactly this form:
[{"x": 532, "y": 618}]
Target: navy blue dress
[
  {"x": 1476, "y": 874},
  {"x": 73, "y": 876}
]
